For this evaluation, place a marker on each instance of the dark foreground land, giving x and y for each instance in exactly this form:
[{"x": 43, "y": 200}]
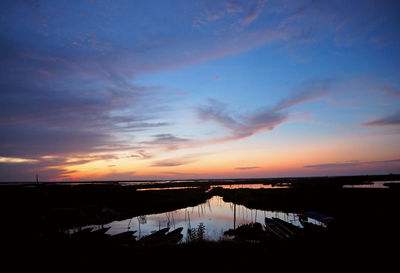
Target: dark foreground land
[{"x": 364, "y": 234}]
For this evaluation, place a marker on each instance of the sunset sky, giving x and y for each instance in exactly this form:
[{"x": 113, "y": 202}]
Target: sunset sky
[{"x": 103, "y": 90}]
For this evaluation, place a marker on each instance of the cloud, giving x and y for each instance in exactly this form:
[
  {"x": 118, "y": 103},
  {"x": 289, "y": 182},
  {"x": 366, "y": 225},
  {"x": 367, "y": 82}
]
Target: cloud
[
  {"x": 305, "y": 92},
  {"x": 334, "y": 165},
  {"x": 116, "y": 176},
  {"x": 69, "y": 115},
  {"x": 246, "y": 168},
  {"x": 32, "y": 140},
  {"x": 142, "y": 154},
  {"x": 352, "y": 163},
  {"x": 172, "y": 162},
  {"x": 390, "y": 120},
  {"x": 242, "y": 126},
  {"x": 234, "y": 7},
  {"x": 179, "y": 161},
  {"x": 27, "y": 172},
  {"x": 69, "y": 87},
  {"x": 179, "y": 174},
  {"x": 298, "y": 13},
  {"x": 253, "y": 13},
  {"x": 239, "y": 127},
  {"x": 167, "y": 140},
  {"x": 217, "y": 111},
  {"x": 50, "y": 167},
  {"x": 16, "y": 160},
  {"x": 394, "y": 92}
]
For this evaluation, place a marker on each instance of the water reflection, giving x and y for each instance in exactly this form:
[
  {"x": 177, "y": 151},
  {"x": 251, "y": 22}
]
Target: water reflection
[
  {"x": 251, "y": 186},
  {"x": 166, "y": 188},
  {"x": 216, "y": 215},
  {"x": 373, "y": 185}
]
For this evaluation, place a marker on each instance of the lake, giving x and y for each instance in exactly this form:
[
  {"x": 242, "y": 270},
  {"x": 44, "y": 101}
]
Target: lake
[
  {"x": 216, "y": 215},
  {"x": 372, "y": 185}
]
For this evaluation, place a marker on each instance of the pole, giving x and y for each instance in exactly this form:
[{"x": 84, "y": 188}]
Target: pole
[{"x": 234, "y": 216}]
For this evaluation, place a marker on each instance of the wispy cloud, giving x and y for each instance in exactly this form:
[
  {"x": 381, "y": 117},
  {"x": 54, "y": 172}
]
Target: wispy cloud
[
  {"x": 390, "y": 90},
  {"x": 141, "y": 154},
  {"x": 179, "y": 160},
  {"x": 305, "y": 92},
  {"x": 244, "y": 12},
  {"x": 267, "y": 119},
  {"x": 173, "y": 162},
  {"x": 239, "y": 127},
  {"x": 47, "y": 167},
  {"x": 246, "y": 168},
  {"x": 167, "y": 140},
  {"x": 16, "y": 160},
  {"x": 353, "y": 163},
  {"x": 179, "y": 174},
  {"x": 390, "y": 120},
  {"x": 70, "y": 87},
  {"x": 253, "y": 13},
  {"x": 234, "y": 7}
]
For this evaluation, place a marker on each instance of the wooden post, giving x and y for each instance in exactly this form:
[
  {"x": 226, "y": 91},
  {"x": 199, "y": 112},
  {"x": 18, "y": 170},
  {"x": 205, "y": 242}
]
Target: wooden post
[{"x": 234, "y": 216}]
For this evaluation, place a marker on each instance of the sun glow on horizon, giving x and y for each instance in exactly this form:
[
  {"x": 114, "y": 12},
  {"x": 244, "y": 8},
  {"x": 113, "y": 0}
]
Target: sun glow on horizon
[{"x": 267, "y": 89}]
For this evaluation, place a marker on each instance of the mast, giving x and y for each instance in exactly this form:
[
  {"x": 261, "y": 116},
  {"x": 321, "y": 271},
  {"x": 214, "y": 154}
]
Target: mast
[{"x": 234, "y": 216}]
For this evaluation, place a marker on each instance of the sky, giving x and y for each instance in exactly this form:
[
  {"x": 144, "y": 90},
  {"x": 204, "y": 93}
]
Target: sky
[{"x": 132, "y": 90}]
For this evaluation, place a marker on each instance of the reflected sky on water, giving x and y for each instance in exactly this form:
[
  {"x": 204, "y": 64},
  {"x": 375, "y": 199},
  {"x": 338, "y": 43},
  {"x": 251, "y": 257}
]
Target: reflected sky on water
[
  {"x": 216, "y": 215},
  {"x": 250, "y": 186},
  {"x": 373, "y": 185}
]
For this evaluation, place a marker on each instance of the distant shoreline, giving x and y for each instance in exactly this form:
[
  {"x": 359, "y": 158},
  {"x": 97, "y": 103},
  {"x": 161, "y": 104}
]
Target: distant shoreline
[{"x": 293, "y": 181}]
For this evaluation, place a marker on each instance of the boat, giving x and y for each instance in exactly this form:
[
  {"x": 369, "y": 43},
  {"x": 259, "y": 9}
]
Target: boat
[
  {"x": 155, "y": 236},
  {"x": 124, "y": 237},
  {"x": 175, "y": 231},
  {"x": 173, "y": 237},
  {"x": 308, "y": 226},
  {"x": 324, "y": 219},
  {"x": 97, "y": 234},
  {"x": 251, "y": 231},
  {"x": 82, "y": 233},
  {"x": 275, "y": 228},
  {"x": 288, "y": 227},
  {"x": 100, "y": 231}
]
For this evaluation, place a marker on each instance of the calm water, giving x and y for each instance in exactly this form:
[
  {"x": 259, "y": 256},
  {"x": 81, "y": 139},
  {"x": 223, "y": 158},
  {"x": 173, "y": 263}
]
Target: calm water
[
  {"x": 216, "y": 215},
  {"x": 166, "y": 188},
  {"x": 248, "y": 186},
  {"x": 373, "y": 185}
]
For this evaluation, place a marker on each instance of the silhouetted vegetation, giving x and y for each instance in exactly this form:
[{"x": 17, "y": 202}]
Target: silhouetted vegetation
[
  {"x": 35, "y": 216},
  {"x": 196, "y": 234}
]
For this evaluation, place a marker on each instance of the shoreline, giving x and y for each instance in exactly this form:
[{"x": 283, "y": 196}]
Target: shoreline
[
  {"x": 297, "y": 181},
  {"x": 33, "y": 215}
]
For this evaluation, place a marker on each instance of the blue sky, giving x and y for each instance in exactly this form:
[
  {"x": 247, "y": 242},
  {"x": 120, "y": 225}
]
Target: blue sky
[{"x": 161, "y": 89}]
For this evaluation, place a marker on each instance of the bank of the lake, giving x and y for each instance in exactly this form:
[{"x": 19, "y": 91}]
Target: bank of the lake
[{"x": 33, "y": 216}]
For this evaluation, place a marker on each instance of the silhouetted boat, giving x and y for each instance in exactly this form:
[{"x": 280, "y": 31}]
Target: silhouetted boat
[
  {"x": 173, "y": 237},
  {"x": 175, "y": 231},
  {"x": 82, "y": 233},
  {"x": 275, "y": 228},
  {"x": 326, "y": 220},
  {"x": 308, "y": 226},
  {"x": 155, "y": 236},
  {"x": 124, "y": 237},
  {"x": 100, "y": 231},
  {"x": 288, "y": 227},
  {"x": 250, "y": 231}
]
